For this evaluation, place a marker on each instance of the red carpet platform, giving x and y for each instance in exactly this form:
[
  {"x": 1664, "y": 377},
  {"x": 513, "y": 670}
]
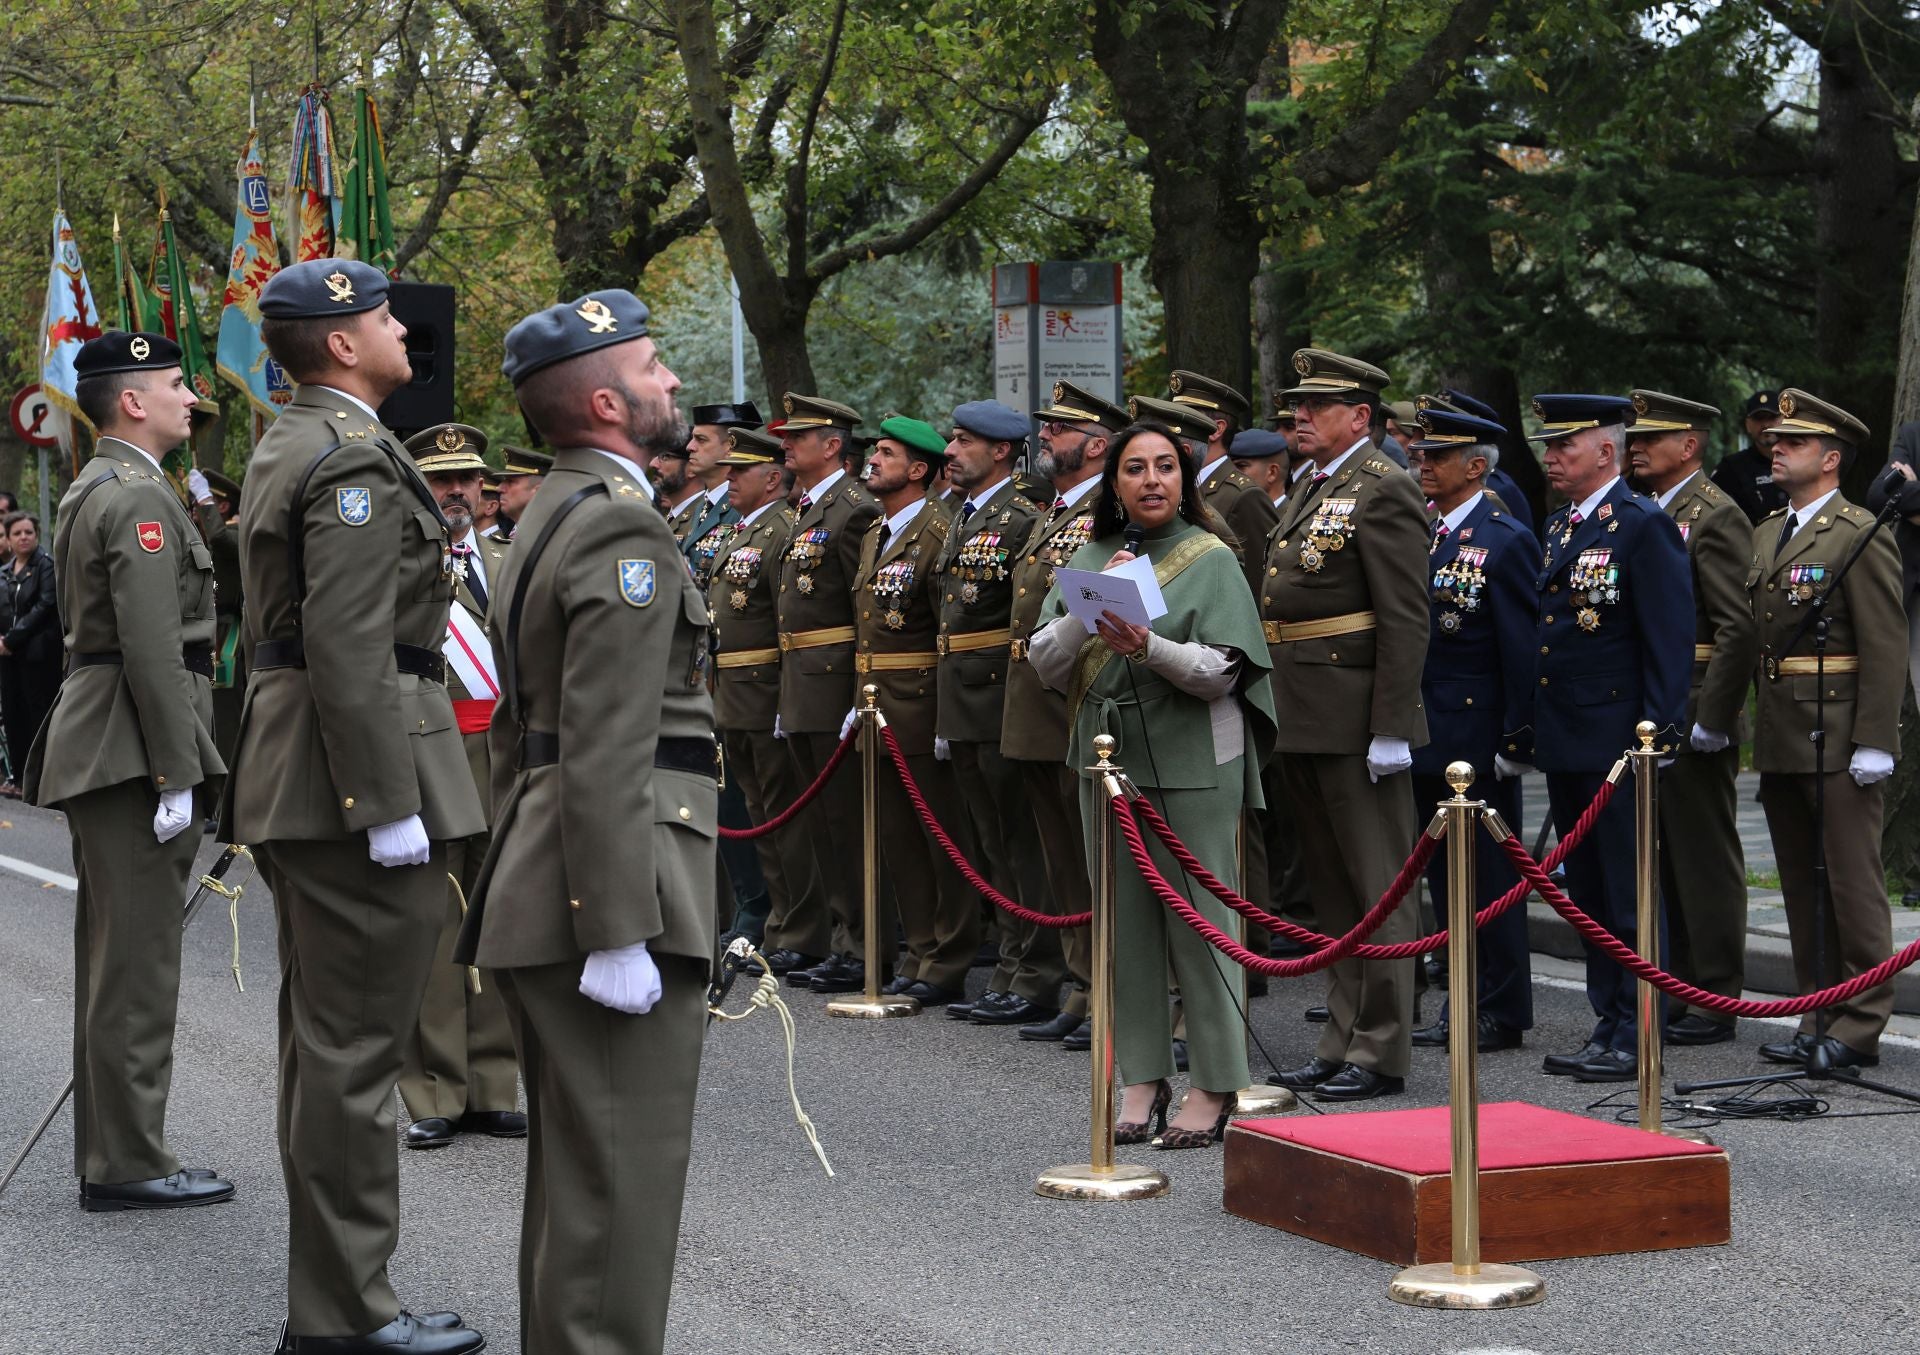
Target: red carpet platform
[{"x": 1551, "y": 1184}]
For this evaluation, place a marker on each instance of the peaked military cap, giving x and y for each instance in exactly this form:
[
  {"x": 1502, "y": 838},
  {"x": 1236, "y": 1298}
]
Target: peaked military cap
[
  {"x": 490, "y": 485},
  {"x": 1803, "y": 413},
  {"x": 1330, "y": 374},
  {"x": 1460, "y": 401},
  {"x": 1190, "y": 423},
  {"x": 1284, "y": 415},
  {"x": 1442, "y": 428},
  {"x": 810, "y": 411},
  {"x": 1561, "y": 416},
  {"x": 120, "y": 351},
  {"x": 752, "y": 447},
  {"x": 991, "y": 419},
  {"x": 1206, "y": 394},
  {"x": 224, "y": 485},
  {"x": 326, "y": 288},
  {"x": 521, "y": 462},
  {"x": 742, "y": 415},
  {"x": 917, "y": 435},
  {"x": 585, "y": 324},
  {"x": 1760, "y": 402},
  {"x": 448, "y": 447},
  {"x": 1404, "y": 412},
  {"x": 1657, "y": 412},
  {"x": 1077, "y": 404},
  {"x": 1257, "y": 444}
]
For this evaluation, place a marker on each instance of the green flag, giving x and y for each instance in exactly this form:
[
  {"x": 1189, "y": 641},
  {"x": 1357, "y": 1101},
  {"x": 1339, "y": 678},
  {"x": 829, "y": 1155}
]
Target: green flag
[
  {"x": 366, "y": 222},
  {"x": 137, "y": 306},
  {"x": 180, "y": 318}
]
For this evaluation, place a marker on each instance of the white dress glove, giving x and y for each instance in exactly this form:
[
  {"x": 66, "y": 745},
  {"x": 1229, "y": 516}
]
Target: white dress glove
[
  {"x": 173, "y": 815},
  {"x": 778, "y": 732},
  {"x": 942, "y": 750},
  {"x": 1386, "y": 756},
  {"x": 626, "y": 979},
  {"x": 1706, "y": 740},
  {"x": 846, "y": 724},
  {"x": 1505, "y": 769},
  {"x": 198, "y": 487},
  {"x": 403, "y": 843},
  {"x": 1870, "y": 765}
]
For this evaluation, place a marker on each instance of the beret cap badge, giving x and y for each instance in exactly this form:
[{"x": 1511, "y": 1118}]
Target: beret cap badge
[
  {"x": 599, "y": 319},
  {"x": 139, "y": 348},
  {"x": 339, "y": 288}
]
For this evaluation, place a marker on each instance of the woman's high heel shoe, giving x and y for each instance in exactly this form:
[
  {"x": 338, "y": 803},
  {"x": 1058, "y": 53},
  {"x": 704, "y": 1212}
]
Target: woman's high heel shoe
[
  {"x": 1198, "y": 1138},
  {"x": 1155, "y": 1123}
]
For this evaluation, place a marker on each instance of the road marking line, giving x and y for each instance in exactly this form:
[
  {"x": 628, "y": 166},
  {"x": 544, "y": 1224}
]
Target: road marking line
[{"x": 40, "y": 873}]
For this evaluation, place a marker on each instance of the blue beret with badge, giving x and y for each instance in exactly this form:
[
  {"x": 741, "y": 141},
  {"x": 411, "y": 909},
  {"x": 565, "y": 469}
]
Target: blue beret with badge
[
  {"x": 1561, "y": 416},
  {"x": 1257, "y": 444},
  {"x": 1442, "y": 428},
  {"x": 323, "y": 289},
  {"x": 585, "y": 324},
  {"x": 991, "y": 419},
  {"x": 119, "y": 351}
]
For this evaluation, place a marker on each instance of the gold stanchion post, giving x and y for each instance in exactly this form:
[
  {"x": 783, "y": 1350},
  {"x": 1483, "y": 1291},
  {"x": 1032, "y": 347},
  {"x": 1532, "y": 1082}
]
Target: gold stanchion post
[
  {"x": 871, "y": 1003},
  {"x": 1465, "y": 1281},
  {"x": 1102, "y": 1178}
]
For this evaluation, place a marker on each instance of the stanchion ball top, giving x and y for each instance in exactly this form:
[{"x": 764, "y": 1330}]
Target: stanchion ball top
[{"x": 1459, "y": 776}]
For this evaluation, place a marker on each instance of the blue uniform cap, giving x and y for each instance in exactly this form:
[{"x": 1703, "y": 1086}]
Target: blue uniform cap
[
  {"x": 1460, "y": 400},
  {"x": 1561, "y": 416},
  {"x": 583, "y": 325},
  {"x": 323, "y": 289},
  {"x": 1256, "y": 444},
  {"x": 991, "y": 419},
  {"x": 1442, "y": 428}
]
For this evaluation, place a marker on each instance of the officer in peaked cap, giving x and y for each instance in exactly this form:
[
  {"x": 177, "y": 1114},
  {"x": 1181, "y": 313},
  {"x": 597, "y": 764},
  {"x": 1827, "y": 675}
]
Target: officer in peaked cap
[
  {"x": 519, "y": 480},
  {"x": 1511, "y": 498},
  {"x": 1230, "y": 494},
  {"x": 1615, "y": 644},
  {"x": 127, "y": 743},
  {"x": 348, "y": 755},
  {"x": 1747, "y": 475},
  {"x": 600, "y": 937}
]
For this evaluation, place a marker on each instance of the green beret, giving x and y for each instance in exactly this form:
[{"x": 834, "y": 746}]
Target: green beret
[{"x": 917, "y": 434}]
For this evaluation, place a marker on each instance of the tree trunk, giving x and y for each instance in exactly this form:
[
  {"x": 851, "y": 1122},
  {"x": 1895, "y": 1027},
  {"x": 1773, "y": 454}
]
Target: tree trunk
[
  {"x": 1279, "y": 322},
  {"x": 1900, "y": 842},
  {"x": 1206, "y": 251},
  {"x": 781, "y": 336}
]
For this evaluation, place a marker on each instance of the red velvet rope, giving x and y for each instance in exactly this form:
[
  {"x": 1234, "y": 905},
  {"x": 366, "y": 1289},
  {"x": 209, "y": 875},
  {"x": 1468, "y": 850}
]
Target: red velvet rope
[
  {"x": 1532, "y": 874},
  {"x": 785, "y": 816},
  {"x": 1011, "y": 907}
]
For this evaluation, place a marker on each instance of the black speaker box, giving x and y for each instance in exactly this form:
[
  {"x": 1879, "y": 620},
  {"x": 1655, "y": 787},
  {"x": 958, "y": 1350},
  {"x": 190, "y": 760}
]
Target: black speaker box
[{"x": 426, "y": 309}]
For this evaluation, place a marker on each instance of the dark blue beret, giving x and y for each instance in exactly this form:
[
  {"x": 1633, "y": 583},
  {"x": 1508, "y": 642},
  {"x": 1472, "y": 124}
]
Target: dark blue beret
[
  {"x": 1442, "y": 428},
  {"x": 323, "y": 287},
  {"x": 1561, "y": 416},
  {"x": 582, "y": 325},
  {"x": 991, "y": 419},
  {"x": 1257, "y": 444},
  {"x": 119, "y": 351}
]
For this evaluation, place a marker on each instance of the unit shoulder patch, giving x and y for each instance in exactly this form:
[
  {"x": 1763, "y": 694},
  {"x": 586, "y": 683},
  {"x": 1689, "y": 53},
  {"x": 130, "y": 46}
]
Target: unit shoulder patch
[
  {"x": 355, "y": 505},
  {"x": 637, "y": 580}
]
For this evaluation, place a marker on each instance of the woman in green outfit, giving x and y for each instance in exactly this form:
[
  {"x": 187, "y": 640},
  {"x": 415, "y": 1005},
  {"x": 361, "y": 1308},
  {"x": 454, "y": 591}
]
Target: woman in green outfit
[{"x": 1189, "y": 702}]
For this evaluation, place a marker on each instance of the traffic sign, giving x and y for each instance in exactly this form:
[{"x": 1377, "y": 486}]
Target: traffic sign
[{"x": 32, "y": 416}]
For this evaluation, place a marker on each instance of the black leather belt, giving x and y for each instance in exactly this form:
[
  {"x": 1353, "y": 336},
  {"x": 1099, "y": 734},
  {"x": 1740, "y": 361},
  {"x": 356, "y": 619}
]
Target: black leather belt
[
  {"x": 197, "y": 658},
  {"x": 702, "y": 756},
  {"x": 407, "y": 658}
]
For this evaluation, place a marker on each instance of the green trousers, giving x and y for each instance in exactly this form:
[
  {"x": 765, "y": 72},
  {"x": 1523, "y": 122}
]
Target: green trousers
[
  {"x": 1050, "y": 789},
  {"x": 939, "y": 911},
  {"x": 1703, "y": 873},
  {"x": 126, "y": 981},
  {"x": 1013, "y": 860},
  {"x": 758, "y": 763}
]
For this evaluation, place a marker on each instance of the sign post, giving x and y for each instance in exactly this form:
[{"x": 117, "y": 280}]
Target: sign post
[{"x": 1057, "y": 321}]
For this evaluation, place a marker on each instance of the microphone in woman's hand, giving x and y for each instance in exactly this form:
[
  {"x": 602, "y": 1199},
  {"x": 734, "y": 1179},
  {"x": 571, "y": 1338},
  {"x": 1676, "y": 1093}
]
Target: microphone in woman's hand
[{"x": 1133, "y": 539}]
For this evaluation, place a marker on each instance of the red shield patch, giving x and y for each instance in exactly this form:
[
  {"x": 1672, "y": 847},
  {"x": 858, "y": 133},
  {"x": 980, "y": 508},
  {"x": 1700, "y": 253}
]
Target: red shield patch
[{"x": 150, "y": 536}]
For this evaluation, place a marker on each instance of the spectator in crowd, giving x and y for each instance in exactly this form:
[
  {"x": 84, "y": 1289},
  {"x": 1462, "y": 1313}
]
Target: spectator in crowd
[{"x": 29, "y": 640}]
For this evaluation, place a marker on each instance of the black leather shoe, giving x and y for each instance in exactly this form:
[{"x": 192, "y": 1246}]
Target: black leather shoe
[
  {"x": 1081, "y": 1038},
  {"x": 1354, "y": 1083},
  {"x": 1489, "y": 1035},
  {"x": 1180, "y": 1056},
  {"x": 1829, "y": 1054},
  {"x": 899, "y": 985},
  {"x": 842, "y": 974},
  {"x": 1694, "y": 1028},
  {"x": 803, "y": 978},
  {"x": 1434, "y": 1036},
  {"x": 1562, "y": 1065},
  {"x": 1616, "y": 1065},
  {"x": 182, "y": 1190},
  {"x": 413, "y": 1335},
  {"x": 1059, "y": 1028},
  {"x": 433, "y": 1132},
  {"x": 987, "y": 1001},
  {"x": 930, "y": 994},
  {"x": 1015, "y": 1011},
  {"x": 786, "y": 961},
  {"x": 495, "y": 1124},
  {"x": 1310, "y": 1074},
  {"x": 1318, "y": 1014},
  {"x": 1792, "y": 1051}
]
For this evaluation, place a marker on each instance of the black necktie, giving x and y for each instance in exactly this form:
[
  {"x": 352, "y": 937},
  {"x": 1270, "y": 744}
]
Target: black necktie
[
  {"x": 465, "y": 555},
  {"x": 886, "y": 535},
  {"x": 1786, "y": 533}
]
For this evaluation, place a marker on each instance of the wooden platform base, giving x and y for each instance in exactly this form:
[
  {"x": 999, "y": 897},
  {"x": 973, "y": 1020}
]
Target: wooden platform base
[{"x": 1551, "y": 1184}]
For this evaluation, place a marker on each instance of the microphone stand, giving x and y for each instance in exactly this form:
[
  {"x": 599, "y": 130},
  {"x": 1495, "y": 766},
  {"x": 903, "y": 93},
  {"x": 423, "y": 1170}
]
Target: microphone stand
[{"x": 1819, "y": 1066}]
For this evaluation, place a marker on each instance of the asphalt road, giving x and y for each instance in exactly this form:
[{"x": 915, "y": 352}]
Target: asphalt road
[{"x": 929, "y": 1241}]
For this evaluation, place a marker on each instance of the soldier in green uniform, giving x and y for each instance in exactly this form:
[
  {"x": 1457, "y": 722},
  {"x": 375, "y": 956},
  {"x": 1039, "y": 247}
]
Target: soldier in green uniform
[
  {"x": 129, "y": 739},
  {"x": 746, "y": 677},
  {"x": 216, "y": 506},
  {"x": 1075, "y": 431},
  {"x": 1229, "y": 493},
  {"x": 818, "y": 939},
  {"x": 896, "y": 619},
  {"x": 349, "y": 780},
  {"x": 601, "y": 936},
  {"x": 460, "y": 1075},
  {"x": 976, "y": 606},
  {"x": 519, "y": 482},
  {"x": 1795, "y": 556},
  {"x": 1703, "y": 873},
  {"x": 712, "y": 515},
  {"x": 1344, "y": 601}
]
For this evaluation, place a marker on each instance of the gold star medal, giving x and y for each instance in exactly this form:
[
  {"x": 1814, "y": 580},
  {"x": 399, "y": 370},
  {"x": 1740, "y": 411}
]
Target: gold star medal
[
  {"x": 737, "y": 599},
  {"x": 1588, "y": 618}
]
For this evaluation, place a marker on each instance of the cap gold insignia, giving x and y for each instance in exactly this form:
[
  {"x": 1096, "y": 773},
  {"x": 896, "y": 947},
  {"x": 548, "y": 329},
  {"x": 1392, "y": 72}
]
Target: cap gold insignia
[
  {"x": 1763, "y": 397},
  {"x": 339, "y": 288},
  {"x": 1303, "y": 364},
  {"x": 1133, "y": 408},
  {"x": 733, "y": 443},
  {"x": 140, "y": 348},
  {"x": 1538, "y": 412},
  {"x": 786, "y": 403},
  {"x": 1786, "y": 405},
  {"x": 450, "y": 440},
  {"x": 1639, "y": 404},
  {"x": 599, "y": 319},
  {"x": 1059, "y": 391},
  {"x": 1173, "y": 384},
  {"x": 1424, "y": 403}
]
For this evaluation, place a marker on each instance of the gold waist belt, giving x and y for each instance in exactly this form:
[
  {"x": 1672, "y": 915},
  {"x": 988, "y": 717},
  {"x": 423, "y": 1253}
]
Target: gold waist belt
[
  {"x": 1351, "y": 623},
  {"x": 887, "y": 663},
  {"x": 1703, "y": 653},
  {"x": 815, "y": 639},
  {"x": 1807, "y": 667},
  {"x": 978, "y": 639},
  {"x": 746, "y": 658}
]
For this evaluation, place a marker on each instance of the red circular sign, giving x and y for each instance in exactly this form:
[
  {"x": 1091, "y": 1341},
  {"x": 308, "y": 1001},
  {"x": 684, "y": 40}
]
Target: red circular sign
[{"x": 32, "y": 416}]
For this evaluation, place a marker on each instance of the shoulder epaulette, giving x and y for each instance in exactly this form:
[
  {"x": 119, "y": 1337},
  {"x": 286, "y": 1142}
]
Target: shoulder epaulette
[{"x": 1377, "y": 466}]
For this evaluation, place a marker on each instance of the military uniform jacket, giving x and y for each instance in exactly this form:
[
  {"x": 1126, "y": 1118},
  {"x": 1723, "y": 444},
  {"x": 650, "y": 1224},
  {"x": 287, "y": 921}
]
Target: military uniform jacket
[
  {"x": 816, "y": 594},
  {"x": 681, "y": 523},
  {"x": 346, "y": 742},
  {"x": 1479, "y": 681},
  {"x": 896, "y": 615},
  {"x": 1349, "y": 545},
  {"x": 1615, "y": 634},
  {"x": 976, "y": 608},
  {"x": 706, "y": 540},
  {"x": 1248, "y": 512},
  {"x": 599, "y": 848},
  {"x": 223, "y": 543},
  {"x": 1033, "y": 727},
  {"x": 493, "y": 561},
  {"x": 741, "y": 597},
  {"x": 1719, "y": 550},
  {"x": 134, "y": 580},
  {"x": 1866, "y": 625}
]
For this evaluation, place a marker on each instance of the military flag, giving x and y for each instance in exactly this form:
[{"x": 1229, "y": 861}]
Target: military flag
[
  {"x": 366, "y": 224},
  {"x": 179, "y": 317},
  {"x": 313, "y": 190},
  {"x": 255, "y": 258},
  {"x": 68, "y": 322}
]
